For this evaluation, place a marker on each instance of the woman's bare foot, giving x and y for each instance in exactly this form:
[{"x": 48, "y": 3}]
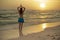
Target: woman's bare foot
[{"x": 21, "y": 34}]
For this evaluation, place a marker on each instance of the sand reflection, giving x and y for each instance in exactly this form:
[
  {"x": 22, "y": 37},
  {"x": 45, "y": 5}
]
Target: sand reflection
[
  {"x": 35, "y": 28},
  {"x": 44, "y": 25},
  {"x": 38, "y": 28}
]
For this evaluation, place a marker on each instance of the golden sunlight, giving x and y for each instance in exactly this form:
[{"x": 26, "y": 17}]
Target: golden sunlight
[
  {"x": 44, "y": 25},
  {"x": 42, "y": 5},
  {"x": 40, "y": 1}
]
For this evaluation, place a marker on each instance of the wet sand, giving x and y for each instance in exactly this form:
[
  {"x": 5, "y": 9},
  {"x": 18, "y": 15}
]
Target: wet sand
[{"x": 44, "y": 31}]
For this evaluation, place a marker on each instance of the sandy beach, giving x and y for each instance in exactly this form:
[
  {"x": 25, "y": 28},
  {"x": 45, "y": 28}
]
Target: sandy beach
[
  {"x": 44, "y": 31},
  {"x": 41, "y": 19}
]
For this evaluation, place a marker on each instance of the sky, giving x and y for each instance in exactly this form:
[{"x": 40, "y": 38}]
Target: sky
[{"x": 31, "y": 4}]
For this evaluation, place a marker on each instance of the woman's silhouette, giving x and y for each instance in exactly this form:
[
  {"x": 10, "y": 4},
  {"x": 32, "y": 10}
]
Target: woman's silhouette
[{"x": 21, "y": 10}]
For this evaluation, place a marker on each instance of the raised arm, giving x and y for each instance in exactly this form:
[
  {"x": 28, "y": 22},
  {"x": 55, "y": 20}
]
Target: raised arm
[
  {"x": 18, "y": 8},
  {"x": 23, "y": 8}
]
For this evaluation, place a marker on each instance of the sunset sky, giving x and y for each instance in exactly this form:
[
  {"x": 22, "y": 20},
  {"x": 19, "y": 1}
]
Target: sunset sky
[{"x": 31, "y": 4}]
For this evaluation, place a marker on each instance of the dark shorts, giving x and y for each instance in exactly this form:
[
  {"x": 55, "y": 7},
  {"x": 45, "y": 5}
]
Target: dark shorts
[{"x": 21, "y": 20}]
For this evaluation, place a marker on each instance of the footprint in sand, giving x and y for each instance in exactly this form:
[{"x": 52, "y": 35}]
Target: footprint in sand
[
  {"x": 58, "y": 38},
  {"x": 52, "y": 36}
]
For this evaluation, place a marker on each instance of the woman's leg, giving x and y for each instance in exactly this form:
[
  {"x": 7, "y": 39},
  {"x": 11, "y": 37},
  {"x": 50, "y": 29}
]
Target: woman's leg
[{"x": 20, "y": 29}]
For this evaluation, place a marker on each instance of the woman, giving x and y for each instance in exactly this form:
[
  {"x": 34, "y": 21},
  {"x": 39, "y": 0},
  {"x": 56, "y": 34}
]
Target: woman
[{"x": 20, "y": 19}]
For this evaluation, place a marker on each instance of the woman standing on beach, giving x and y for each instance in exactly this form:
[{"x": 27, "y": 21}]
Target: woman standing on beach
[{"x": 21, "y": 10}]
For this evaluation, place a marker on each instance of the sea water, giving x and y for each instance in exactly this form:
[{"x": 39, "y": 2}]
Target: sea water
[
  {"x": 35, "y": 21},
  {"x": 8, "y": 17}
]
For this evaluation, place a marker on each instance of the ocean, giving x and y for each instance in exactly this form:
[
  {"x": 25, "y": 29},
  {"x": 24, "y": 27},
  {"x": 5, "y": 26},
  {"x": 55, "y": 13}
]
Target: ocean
[
  {"x": 35, "y": 21},
  {"x": 33, "y": 17}
]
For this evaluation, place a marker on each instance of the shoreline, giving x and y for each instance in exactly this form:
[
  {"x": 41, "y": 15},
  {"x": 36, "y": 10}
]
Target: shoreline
[{"x": 12, "y": 31}]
